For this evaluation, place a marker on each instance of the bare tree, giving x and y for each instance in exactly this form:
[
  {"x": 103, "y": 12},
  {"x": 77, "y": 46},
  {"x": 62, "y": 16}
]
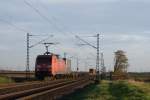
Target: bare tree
[{"x": 121, "y": 62}]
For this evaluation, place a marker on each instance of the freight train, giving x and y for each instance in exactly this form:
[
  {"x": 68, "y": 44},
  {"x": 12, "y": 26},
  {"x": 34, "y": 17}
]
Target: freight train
[{"x": 51, "y": 65}]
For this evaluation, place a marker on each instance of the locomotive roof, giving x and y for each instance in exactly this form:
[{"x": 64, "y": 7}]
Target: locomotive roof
[
  {"x": 43, "y": 55},
  {"x": 48, "y": 55},
  {"x": 51, "y": 55}
]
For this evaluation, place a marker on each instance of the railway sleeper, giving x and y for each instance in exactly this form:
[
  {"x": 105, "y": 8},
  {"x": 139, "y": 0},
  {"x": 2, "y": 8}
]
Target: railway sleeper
[
  {"x": 57, "y": 92},
  {"x": 15, "y": 95}
]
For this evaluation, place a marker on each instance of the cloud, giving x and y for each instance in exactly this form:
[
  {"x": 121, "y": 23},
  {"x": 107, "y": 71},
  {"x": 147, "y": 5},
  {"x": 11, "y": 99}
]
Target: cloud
[{"x": 123, "y": 24}]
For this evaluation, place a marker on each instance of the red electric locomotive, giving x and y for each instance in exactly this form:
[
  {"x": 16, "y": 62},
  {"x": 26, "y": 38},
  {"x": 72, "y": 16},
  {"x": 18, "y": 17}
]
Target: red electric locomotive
[{"x": 51, "y": 66}]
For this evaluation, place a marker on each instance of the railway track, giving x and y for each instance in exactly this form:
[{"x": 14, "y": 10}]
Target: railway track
[
  {"x": 5, "y": 85},
  {"x": 24, "y": 86},
  {"x": 48, "y": 90},
  {"x": 20, "y": 74}
]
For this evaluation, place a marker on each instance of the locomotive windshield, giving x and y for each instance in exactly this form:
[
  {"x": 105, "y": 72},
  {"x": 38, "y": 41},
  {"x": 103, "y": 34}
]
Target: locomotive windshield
[{"x": 44, "y": 60}]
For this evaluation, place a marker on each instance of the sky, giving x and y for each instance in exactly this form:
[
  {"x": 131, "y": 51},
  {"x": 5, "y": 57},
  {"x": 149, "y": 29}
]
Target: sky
[{"x": 122, "y": 25}]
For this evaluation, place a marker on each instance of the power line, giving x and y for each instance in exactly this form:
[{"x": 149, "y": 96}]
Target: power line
[
  {"x": 47, "y": 18},
  {"x": 13, "y": 25},
  {"x": 97, "y": 59},
  {"x": 86, "y": 43},
  {"x": 40, "y": 41},
  {"x": 43, "y": 16},
  {"x": 52, "y": 17},
  {"x": 28, "y": 51}
]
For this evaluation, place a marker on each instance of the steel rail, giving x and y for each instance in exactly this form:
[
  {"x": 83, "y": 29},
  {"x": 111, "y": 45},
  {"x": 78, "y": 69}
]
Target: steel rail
[
  {"x": 29, "y": 85},
  {"x": 57, "y": 92},
  {"x": 15, "y": 95}
]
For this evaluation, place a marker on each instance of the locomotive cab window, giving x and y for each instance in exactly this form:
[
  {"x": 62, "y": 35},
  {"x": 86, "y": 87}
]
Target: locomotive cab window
[{"x": 44, "y": 60}]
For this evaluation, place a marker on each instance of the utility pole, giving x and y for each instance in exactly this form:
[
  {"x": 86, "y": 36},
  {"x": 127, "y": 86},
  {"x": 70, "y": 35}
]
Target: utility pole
[
  {"x": 65, "y": 55},
  {"x": 103, "y": 63},
  {"x": 27, "y": 66},
  {"x": 103, "y": 68},
  {"x": 28, "y": 51},
  {"x": 85, "y": 66},
  {"x": 97, "y": 62},
  {"x": 97, "y": 79},
  {"x": 77, "y": 64}
]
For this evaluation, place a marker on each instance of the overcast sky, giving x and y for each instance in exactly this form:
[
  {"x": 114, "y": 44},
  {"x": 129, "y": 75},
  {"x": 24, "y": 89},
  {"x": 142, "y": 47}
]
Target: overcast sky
[{"x": 123, "y": 24}]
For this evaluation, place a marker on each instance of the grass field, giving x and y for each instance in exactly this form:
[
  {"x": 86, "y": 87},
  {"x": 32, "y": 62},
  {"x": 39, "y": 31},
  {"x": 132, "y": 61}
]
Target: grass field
[
  {"x": 117, "y": 90},
  {"x": 4, "y": 80}
]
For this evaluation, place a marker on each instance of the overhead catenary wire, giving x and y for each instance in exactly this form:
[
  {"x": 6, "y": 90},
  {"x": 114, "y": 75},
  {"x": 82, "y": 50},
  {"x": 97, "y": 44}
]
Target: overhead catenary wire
[
  {"x": 13, "y": 25},
  {"x": 68, "y": 34},
  {"x": 23, "y": 30},
  {"x": 53, "y": 17},
  {"x": 49, "y": 20},
  {"x": 43, "y": 16},
  {"x": 87, "y": 43},
  {"x": 26, "y": 31},
  {"x": 41, "y": 41}
]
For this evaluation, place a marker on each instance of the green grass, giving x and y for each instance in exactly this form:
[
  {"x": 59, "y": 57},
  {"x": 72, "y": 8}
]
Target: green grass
[
  {"x": 117, "y": 90},
  {"x": 124, "y": 91},
  {"x": 5, "y": 80}
]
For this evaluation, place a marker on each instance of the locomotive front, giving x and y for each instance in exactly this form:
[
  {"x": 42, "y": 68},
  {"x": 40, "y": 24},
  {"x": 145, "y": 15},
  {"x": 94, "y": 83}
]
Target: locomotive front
[{"x": 43, "y": 66}]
